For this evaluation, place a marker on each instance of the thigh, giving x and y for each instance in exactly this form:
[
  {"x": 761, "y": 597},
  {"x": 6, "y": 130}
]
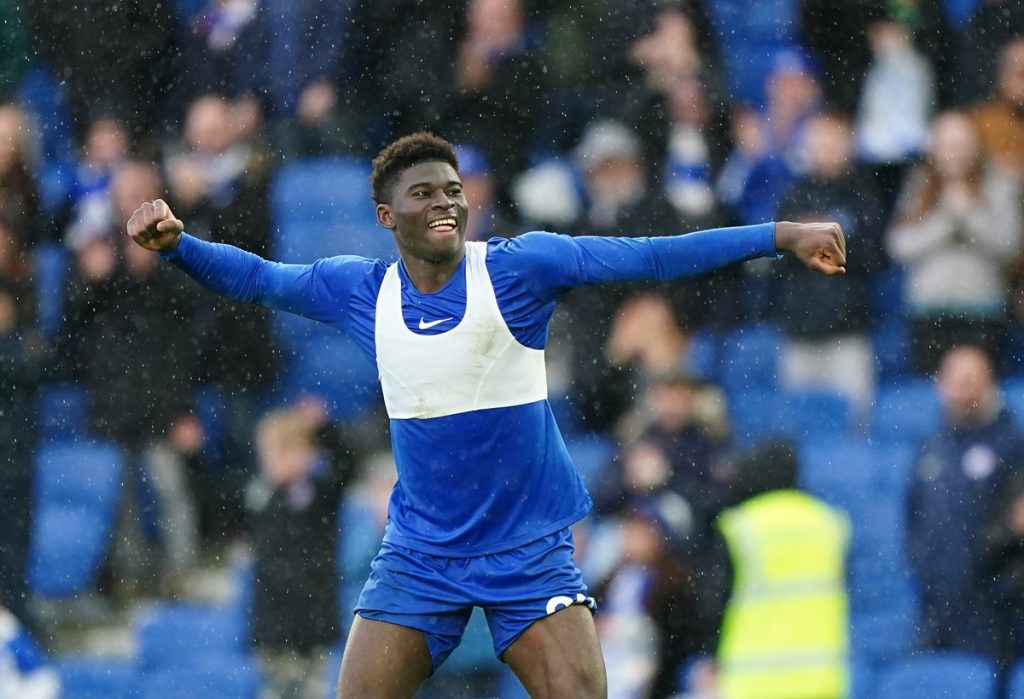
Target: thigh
[
  {"x": 559, "y": 656},
  {"x": 383, "y": 661}
]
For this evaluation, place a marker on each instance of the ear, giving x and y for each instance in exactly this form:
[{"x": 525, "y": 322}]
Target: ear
[{"x": 385, "y": 216}]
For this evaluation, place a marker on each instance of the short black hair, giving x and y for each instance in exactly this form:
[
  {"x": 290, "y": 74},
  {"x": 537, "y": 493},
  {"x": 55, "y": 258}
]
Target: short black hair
[{"x": 416, "y": 148}]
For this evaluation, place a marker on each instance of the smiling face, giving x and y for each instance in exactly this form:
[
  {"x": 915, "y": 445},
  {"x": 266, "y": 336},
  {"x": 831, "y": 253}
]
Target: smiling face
[{"x": 427, "y": 212}]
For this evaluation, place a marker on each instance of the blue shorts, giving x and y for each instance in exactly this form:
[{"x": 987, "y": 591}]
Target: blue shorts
[{"x": 436, "y": 595}]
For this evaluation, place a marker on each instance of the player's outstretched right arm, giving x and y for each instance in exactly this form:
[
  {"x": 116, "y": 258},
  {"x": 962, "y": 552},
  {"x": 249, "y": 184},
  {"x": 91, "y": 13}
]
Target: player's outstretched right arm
[{"x": 319, "y": 291}]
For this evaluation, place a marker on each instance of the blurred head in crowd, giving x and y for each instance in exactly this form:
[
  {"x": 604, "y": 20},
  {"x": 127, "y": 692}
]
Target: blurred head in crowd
[
  {"x": 828, "y": 145},
  {"x": 133, "y": 182},
  {"x": 967, "y": 386},
  {"x": 497, "y": 23},
  {"x": 1011, "y": 73},
  {"x": 209, "y": 127},
  {"x": 672, "y": 400},
  {"x": 646, "y": 333},
  {"x": 655, "y": 525},
  {"x": 105, "y": 143},
  {"x": 764, "y": 468},
  {"x": 646, "y": 468},
  {"x": 793, "y": 85},
  {"x": 285, "y": 447},
  {"x": 669, "y": 52},
  {"x": 13, "y": 138},
  {"x": 955, "y": 148},
  {"x": 614, "y": 172}
]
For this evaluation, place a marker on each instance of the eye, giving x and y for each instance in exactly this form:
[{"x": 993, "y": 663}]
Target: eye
[
  {"x": 420, "y": 193},
  {"x": 455, "y": 192}
]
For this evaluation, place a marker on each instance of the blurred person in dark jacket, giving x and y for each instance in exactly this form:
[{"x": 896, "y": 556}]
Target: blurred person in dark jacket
[
  {"x": 647, "y": 619},
  {"x": 19, "y": 195},
  {"x": 293, "y": 508},
  {"x": 956, "y": 481},
  {"x": 831, "y": 349},
  {"x": 219, "y": 176},
  {"x": 137, "y": 387},
  {"x": 22, "y": 358}
]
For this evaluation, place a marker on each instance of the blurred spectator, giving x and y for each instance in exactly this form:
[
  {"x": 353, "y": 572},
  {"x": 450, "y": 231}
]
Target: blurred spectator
[
  {"x": 1000, "y": 121},
  {"x": 14, "y": 55},
  {"x": 104, "y": 55},
  {"x": 22, "y": 358},
  {"x": 768, "y": 147},
  {"x": 680, "y": 437},
  {"x": 993, "y": 24},
  {"x": 782, "y": 554},
  {"x": 895, "y": 104},
  {"x": 830, "y": 347},
  {"x": 402, "y": 64},
  {"x": 24, "y": 671},
  {"x": 127, "y": 336},
  {"x": 844, "y": 63},
  {"x": 293, "y": 507},
  {"x": 957, "y": 230},
  {"x": 499, "y": 85},
  {"x": 646, "y": 619},
  {"x": 958, "y": 475},
  {"x": 486, "y": 218},
  {"x": 219, "y": 183},
  {"x": 19, "y": 197},
  {"x": 1004, "y": 559},
  {"x": 307, "y": 84}
]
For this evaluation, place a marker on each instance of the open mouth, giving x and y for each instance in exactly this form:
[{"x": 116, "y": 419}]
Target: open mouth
[{"x": 443, "y": 225}]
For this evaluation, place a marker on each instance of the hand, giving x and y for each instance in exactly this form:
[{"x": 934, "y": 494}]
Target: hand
[
  {"x": 154, "y": 227},
  {"x": 820, "y": 246}
]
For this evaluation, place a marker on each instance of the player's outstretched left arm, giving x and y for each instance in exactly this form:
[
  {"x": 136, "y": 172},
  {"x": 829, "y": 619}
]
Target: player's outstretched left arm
[
  {"x": 154, "y": 227},
  {"x": 820, "y": 246}
]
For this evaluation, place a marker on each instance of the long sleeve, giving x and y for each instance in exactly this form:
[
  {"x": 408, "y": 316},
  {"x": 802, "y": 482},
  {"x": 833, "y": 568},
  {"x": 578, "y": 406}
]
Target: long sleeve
[
  {"x": 320, "y": 291},
  {"x": 549, "y": 264}
]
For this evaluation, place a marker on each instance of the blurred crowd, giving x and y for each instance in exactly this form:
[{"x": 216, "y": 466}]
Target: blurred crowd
[{"x": 903, "y": 120}]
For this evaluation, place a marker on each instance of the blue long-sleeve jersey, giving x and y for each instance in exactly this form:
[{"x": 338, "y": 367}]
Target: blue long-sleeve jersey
[{"x": 482, "y": 481}]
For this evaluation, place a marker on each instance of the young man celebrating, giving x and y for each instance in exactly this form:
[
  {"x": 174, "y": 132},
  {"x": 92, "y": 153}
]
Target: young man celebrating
[{"x": 486, "y": 493}]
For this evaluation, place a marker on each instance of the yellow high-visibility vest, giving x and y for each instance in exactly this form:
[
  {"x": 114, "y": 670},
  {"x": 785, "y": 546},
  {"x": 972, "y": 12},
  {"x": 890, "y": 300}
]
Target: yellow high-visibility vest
[{"x": 785, "y": 632}]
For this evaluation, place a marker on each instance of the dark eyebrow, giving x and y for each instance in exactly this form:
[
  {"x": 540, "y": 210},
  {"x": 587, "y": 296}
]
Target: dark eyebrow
[{"x": 416, "y": 185}]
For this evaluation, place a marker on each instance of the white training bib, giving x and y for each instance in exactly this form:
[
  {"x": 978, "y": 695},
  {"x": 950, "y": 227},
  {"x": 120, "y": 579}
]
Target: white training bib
[{"x": 476, "y": 365}]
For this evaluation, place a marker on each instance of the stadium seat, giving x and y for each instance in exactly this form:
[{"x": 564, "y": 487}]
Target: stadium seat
[
  {"x": 750, "y": 358},
  {"x": 63, "y": 412},
  {"x": 940, "y": 675},
  {"x": 77, "y": 490},
  {"x": 177, "y": 635},
  {"x": 1015, "y": 681},
  {"x": 322, "y": 207},
  {"x": 223, "y": 677},
  {"x": 758, "y": 415},
  {"x": 1013, "y": 398},
  {"x": 906, "y": 412},
  {"x": 85, "y": 677},
  {"x": 51, "y": 263}
]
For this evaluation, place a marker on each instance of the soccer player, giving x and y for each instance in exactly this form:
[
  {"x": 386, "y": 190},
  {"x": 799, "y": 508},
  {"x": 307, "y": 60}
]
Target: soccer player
[{"x": 486, "y": 493}]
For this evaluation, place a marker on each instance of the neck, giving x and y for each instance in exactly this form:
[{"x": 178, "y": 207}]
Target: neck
[{"x": 430, "y": 276}]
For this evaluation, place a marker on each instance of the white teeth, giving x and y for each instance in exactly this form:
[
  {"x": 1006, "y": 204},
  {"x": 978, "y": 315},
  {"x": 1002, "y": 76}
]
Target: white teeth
[{"x": 442, "y": 222}]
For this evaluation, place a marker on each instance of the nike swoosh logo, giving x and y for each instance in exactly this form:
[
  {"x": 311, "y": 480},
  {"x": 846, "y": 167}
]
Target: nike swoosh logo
[{"x": 424, "y": 325}]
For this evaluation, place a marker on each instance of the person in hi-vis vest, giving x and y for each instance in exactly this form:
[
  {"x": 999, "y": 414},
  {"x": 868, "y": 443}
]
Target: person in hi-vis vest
[{"x": 784, "y": 632}]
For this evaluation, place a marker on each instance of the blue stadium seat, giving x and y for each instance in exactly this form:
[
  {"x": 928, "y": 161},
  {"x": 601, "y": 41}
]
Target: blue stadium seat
[
  {"x": 86, "y": 677},
  {"x": 881, "y": 637},
  {"x": 63, "y": 412},
  {"x": 1015, "y": 681},
  {"x": 77, "y": 489},
  {"x": 939, "y": 676},
  {"x": 1013, "y": 398},
  {"x": 176, "y": 635},
  {"x": 750, "y": 359},
  {"x": 906, "y": 412},
  {"x": 51, "y": 263},
  {"x": 757, "y": 415},
  {"x": 223, "y": 677},
  {"x": 322, "y": 207},
  {"x": 590, "y": 453}
]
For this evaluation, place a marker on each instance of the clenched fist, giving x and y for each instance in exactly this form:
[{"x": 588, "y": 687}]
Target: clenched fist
[
  {"x": 154, "y": 227},
  {"x": 820, "y": 246}
]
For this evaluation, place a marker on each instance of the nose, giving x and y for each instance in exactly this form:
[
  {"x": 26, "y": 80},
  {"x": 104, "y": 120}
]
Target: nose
[{"x": 442, "y": 201}]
